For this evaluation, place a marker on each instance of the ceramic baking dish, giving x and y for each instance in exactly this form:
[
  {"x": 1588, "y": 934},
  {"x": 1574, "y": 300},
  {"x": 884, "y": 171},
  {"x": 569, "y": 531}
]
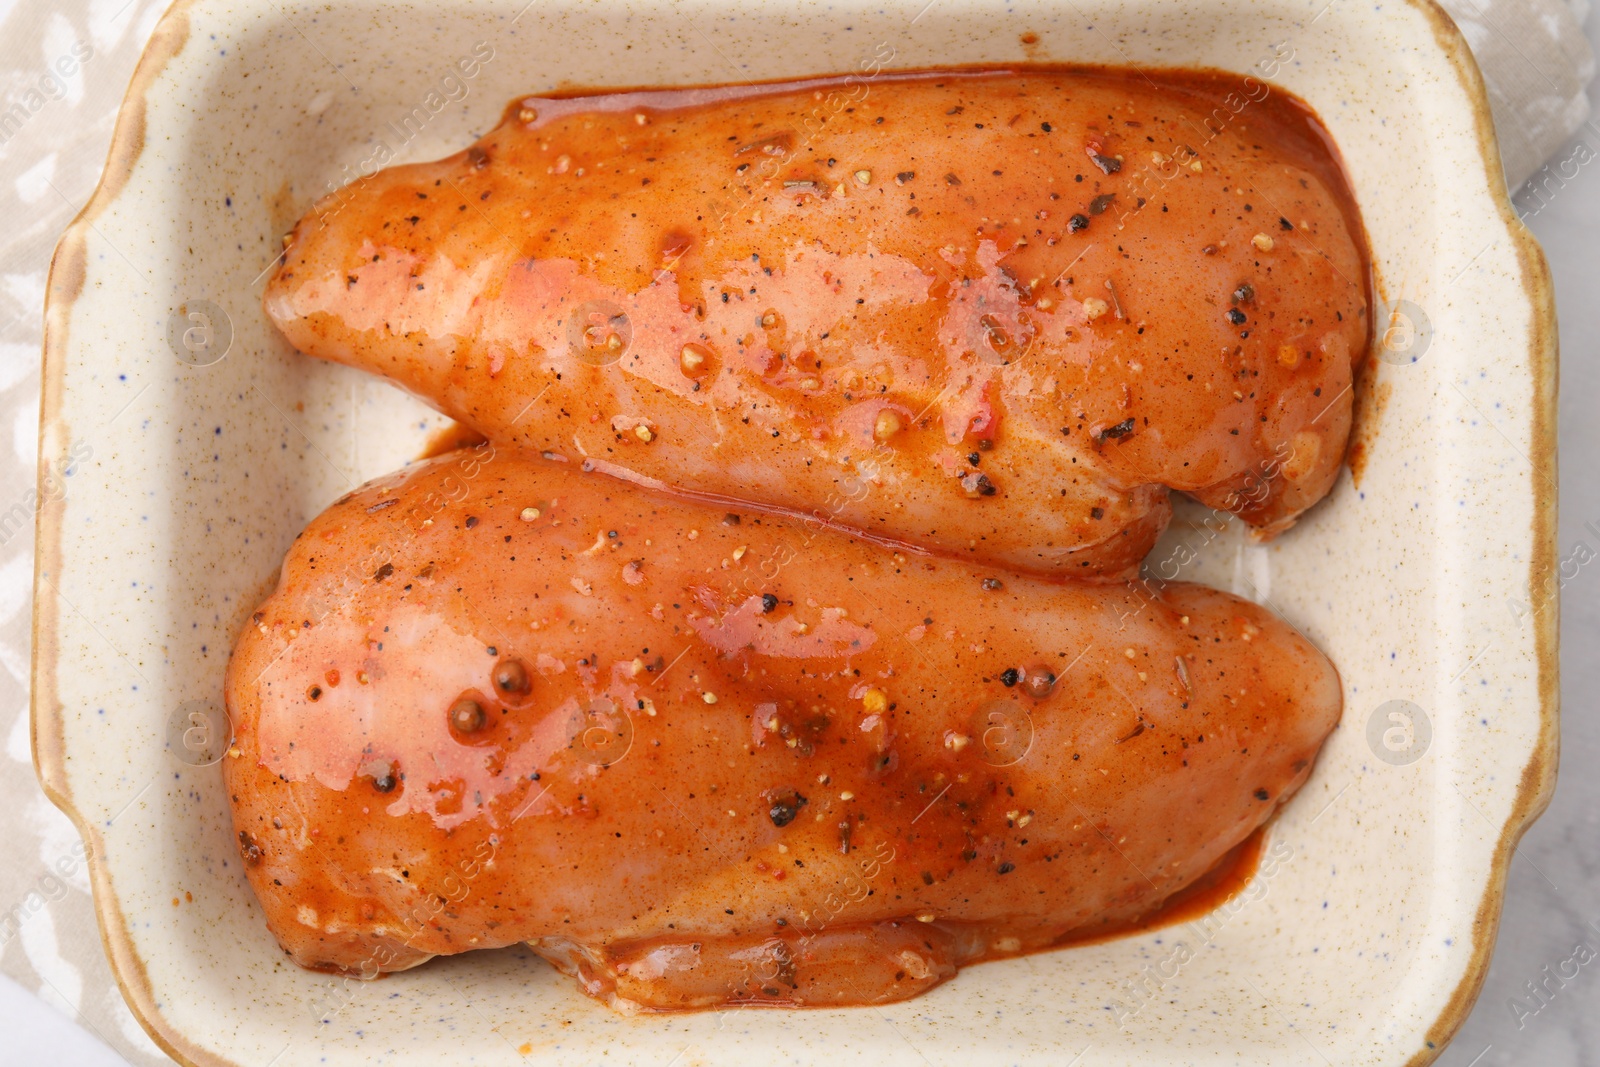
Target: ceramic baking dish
[{"x": 183, "y": 445}]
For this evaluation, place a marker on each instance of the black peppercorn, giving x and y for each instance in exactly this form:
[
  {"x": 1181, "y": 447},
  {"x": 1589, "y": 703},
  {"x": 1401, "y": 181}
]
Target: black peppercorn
[
  {"x": 1121, "y": 429},
  {"x": 510, "y": 676},
  {"x": 785, "y": 806},
  {"x": 467, "y": 715}
]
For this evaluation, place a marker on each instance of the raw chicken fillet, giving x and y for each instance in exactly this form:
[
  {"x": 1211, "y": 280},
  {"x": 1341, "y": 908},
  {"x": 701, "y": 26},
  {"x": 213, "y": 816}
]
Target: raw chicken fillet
[
  {"x": 698, "y": 757},
  {"x": 833, "y": 299}
]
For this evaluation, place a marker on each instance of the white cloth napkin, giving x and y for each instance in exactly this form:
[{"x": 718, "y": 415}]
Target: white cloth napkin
[
  {"x": 1533, "y": 54},
  {"x": 1537, "y": 64}
]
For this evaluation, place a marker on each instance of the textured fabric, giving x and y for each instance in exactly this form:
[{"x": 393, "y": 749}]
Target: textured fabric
[
  {"x": 1536, "y": 63},
  {"x": 63, "y": 67},
  {"x": 51, "y": 153}
]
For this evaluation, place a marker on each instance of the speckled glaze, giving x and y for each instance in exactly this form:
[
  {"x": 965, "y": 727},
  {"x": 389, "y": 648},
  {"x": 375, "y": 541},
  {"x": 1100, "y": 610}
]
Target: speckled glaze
[{"x": 1427, "y": 576}]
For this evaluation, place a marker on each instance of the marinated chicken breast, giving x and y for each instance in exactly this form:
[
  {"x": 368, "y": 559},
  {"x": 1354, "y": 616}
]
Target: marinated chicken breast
[
  {"x": 698, "y": 756},
  {"x": 991, "y": 314}
]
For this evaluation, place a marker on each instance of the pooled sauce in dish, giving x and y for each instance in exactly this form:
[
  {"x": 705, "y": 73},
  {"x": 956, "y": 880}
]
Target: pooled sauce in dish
[
  {"x": 1212, "y": 890},
  {"x": 449, "y": 438},
  {"x": 1101, "y": 287},
  {"x": 739, "y": 659}
]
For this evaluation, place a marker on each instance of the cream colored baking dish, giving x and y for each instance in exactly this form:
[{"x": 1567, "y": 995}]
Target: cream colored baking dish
[{"x": 199, "y": 444}]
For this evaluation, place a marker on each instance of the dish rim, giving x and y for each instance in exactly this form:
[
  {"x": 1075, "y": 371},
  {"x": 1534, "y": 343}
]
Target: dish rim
[{"x": 66, "y": 283}]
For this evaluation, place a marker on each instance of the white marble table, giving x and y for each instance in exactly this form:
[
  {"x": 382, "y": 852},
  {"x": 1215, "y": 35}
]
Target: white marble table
[{"x": 1553, "y": 900}]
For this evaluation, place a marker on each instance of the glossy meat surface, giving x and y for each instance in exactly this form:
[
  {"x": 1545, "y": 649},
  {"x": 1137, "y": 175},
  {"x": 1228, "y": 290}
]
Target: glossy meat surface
[
  {"x": 991, "y": 315},
  {"x": 698, "y": 756}
]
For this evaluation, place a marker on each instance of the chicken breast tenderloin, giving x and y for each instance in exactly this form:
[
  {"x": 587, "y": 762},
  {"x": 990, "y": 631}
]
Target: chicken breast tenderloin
[
  {"x": 698, "y": 757},
  {"x": 991, "y": 314}
]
